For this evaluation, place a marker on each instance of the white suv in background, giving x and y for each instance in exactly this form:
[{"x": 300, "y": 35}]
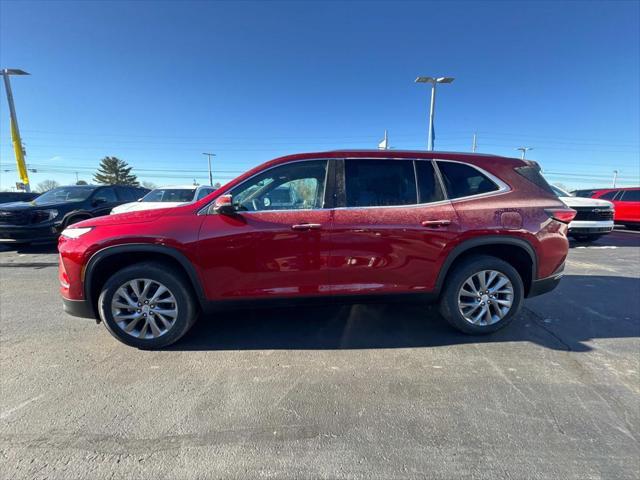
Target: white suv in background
[
  {"x": 166, "y": 197},
  {"x": 594, "y": 217}
]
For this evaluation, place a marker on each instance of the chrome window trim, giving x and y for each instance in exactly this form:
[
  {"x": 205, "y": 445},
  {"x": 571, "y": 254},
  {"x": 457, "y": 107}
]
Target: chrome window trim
[
  {"x": 502, "y": 186},
  {"x": 205, "y": 210}
]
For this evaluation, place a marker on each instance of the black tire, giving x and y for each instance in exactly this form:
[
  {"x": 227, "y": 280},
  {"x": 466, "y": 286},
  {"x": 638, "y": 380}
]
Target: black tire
[
  {"x": 586, "y": 237},
  {"x": 178, "y": 285},
  {"x": 454, "y": 282}
]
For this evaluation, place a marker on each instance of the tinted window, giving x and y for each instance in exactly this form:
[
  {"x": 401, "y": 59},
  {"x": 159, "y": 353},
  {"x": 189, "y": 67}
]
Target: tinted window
[
  {"x": 429, "y": 189},
  {"x": 169, "y": 195},
  {"x": 106, "y": 194},
  {"x": 462, "y": 180},
  {"x": 204, "y": 192},
  {"x": 295, "y": 186},
  {"x": 127, "y": 194},
  {"x": 65, "y": 194},
  {"x": 609, "y": 195},
  {"x": 532, "y": 173},
  {"x": 631, "y": 196},
  {"x": 377, "y": 183}
]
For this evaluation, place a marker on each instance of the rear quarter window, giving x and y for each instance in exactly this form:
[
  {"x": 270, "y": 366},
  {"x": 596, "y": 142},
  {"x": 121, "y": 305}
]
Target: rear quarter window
[
  {"x": 462, "y": 180},
  {"x": 532, "y": 173}
]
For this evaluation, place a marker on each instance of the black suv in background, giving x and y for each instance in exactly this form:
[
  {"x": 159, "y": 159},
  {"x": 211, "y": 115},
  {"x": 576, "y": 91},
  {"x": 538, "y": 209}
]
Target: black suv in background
[
  {"x": 7, "y": 197},
  {"x": 43, "y": 218}
]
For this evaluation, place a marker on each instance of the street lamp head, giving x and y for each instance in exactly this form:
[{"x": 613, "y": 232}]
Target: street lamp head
[
  {"x": 434, "y": 79},
  {"x": 14, "y": 71}
]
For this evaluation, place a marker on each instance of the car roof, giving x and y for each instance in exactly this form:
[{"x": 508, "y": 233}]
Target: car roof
[{"x": 179, "y": 187}]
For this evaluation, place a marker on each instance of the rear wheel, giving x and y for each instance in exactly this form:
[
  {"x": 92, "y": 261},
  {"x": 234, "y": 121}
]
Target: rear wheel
[
  {"x": 482, "y": 295},
  {"x": 147, "y": 305}
]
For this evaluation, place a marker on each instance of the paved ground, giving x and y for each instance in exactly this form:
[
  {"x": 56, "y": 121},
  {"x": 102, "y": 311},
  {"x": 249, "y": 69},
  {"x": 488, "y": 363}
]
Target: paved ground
[{"x": 333, "y": 392}]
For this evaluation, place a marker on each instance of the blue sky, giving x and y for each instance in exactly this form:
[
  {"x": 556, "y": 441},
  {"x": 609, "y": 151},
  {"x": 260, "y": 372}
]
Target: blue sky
[{"x": 158, "y": 83}]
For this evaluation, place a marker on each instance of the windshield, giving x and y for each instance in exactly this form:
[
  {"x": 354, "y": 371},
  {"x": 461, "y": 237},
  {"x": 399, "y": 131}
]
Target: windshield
[
  {"x": 65, "y": 194},
  {"x": 559, "y": 192},
  {"x": 169, "y": 195}
]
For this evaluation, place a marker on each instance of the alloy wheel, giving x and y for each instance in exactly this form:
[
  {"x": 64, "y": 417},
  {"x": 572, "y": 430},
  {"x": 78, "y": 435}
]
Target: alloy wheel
[
  {"x": 144, "y": 308},
  {"x": 485, "y": 297}
]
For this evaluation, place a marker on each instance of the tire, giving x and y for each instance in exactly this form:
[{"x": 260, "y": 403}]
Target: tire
[
  {"x": 457, "y": 279},
  {"x": 586, "y": 237},
  {"x": 143, "y": 334}
]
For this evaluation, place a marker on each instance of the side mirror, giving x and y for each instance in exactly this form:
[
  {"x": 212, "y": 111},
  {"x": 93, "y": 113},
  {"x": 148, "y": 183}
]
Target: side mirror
[
  {"x": 139, "y": 200},
  {"x": 224, "y": 205}
]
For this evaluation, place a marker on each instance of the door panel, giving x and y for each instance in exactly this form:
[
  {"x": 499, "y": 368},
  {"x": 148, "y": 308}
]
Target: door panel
[
  {"x": 260, "y": 254},
  {"x": 276, "y": 244},
  {"x": 388, "y": 249}
]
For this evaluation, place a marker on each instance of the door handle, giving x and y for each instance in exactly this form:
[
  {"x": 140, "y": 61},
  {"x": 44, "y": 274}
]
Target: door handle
[
  {"x": 436, "y": 223},
  {"x": 306, "y": 226}
]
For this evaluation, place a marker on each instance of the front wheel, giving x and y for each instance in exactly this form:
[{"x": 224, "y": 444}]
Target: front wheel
[
  {"x": 147, "y": 305},
  {"x": 482, "y": 295}
]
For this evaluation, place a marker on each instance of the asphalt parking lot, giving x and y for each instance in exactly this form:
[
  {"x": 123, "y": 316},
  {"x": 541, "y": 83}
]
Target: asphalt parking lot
[{"x": 377, "y": 391}]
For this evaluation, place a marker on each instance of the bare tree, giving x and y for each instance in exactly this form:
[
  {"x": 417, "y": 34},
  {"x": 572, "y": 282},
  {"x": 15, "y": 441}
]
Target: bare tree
[
  {"x": 47, "y": 185},
  {"x": 149, "y": 185}
]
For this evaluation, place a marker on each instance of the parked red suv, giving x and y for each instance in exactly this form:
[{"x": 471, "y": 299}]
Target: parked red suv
[
  {"x": 626, "y": 202},
  {"x": 476, "y": 232}
]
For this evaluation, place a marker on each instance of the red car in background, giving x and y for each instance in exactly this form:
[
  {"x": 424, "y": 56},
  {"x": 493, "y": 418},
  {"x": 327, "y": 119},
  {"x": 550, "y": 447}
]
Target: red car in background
[{"x": 626, "y": 202}]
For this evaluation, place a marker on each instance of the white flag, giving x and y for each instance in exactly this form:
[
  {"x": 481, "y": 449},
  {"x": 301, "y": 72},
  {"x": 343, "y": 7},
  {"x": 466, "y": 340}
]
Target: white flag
[{"x": 384, "y": 144}]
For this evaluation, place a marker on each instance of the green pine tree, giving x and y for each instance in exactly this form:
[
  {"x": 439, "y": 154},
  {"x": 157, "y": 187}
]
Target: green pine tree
[{"x": 113, "y": 171}]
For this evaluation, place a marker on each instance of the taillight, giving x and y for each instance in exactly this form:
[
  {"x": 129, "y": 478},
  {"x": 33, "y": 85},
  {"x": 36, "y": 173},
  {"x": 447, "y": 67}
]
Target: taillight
[{"x": 564, "y": 215}]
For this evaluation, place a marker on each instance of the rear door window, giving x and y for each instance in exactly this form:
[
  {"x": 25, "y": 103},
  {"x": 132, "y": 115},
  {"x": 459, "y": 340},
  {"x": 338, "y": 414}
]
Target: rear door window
[
  {"x": 630, "y": 196},
  {"x": 609, "y": 195},
  {"x": 462, "y": 180},
  {"x": 380, "y": 183}
]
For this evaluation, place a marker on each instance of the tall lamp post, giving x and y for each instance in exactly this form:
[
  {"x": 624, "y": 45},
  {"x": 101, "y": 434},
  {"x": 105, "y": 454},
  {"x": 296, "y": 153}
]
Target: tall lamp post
[
  {"x": 15, "y": 131},
  {"x": 209, "y": 155},
  {"x": 433, "y": 81},
  {"x": 524, "y": 150}
]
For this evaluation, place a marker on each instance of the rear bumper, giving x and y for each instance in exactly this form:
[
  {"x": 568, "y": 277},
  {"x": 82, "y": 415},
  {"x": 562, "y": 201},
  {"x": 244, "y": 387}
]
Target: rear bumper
[
  {"x": 78, "y": 308},
  {"x": 544, "y": 285}
]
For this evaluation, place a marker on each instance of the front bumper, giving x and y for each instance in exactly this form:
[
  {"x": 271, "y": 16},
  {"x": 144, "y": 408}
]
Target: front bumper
[
  {"x": 29, "y": 233},
  {"x": 78, "y": 308},
  {"x": 590, "y": 226}
]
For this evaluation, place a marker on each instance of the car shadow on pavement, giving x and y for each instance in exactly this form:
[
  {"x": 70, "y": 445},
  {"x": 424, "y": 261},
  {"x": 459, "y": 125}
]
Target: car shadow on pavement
[
  {"x": 617, "y": 238},
  {"x": 29, "y": 248},
  {"x": 361, "y": 326}
]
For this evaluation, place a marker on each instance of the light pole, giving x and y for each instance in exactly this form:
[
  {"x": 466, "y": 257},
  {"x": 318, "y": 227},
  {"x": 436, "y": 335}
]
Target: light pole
[
  {"x": 615, "y": 178},
  {"x": 15, "y": 131},
  {"x": 433, "y": 81},
  {"x": 209, "y": 155},
  {"x": 524, "y": 150}
]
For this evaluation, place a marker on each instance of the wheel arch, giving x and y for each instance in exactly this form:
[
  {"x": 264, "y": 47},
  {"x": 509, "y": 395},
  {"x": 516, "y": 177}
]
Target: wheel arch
[
  {"x": 98, "y": 270},
  {"x": 516, "y": 251}
]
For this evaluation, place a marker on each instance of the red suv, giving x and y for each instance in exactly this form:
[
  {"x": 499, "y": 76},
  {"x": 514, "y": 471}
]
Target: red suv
[
  {"x": 477, "y": 232},
  {"x": 626, "y": 202}
]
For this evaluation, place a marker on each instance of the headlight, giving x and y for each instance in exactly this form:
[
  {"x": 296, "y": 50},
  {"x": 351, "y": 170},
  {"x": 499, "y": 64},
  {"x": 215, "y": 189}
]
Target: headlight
[
  {"x": 40, "y": 216},
  {"x": 75, "y": 232}
]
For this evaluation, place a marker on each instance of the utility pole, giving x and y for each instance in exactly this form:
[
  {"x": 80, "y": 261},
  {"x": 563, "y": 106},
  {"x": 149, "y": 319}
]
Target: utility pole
[
  {"x": 76, "y": 177},
  {"x": 15, "y": 131},
  {"x": 615, "y": 178},
  {"x": 474, "y": 145},
  {"x": 432, "y": 109},
  {"x": 524, "y": 150},
  {"x": 209, "y": 155}
]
